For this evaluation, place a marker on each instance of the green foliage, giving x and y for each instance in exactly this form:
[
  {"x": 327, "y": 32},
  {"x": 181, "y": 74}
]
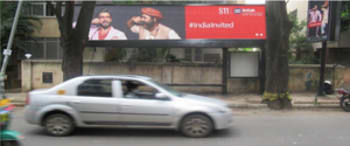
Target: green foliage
[
  {"x": 298, "y": 37},
  {"x": 115, "y": 54},
  {"x": 345, "y": 16},
  {"x": 298, "y": 43},
  {"x": 275, "y": 96},
  {"x": 26, "y": 26},
  {"x": 152, "y": 54},
  {"x": 305, "y": 59}
]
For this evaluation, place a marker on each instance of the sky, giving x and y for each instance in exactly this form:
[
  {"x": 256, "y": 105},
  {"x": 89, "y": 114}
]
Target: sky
[{"x": 255, "y": 1}]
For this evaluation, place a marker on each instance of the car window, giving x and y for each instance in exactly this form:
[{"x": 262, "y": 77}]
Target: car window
[
  {"x": 138, "y": 90},
  {"x": 96, "y": 88},
  {"x": 170, "y": 90}
]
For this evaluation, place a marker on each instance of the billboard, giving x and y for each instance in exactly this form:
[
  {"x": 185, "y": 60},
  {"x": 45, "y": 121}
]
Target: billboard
[
  {"x": 318, "y": 14},
  {"x": 165, "y": 22},
  {"x": 321, "y": 20}
]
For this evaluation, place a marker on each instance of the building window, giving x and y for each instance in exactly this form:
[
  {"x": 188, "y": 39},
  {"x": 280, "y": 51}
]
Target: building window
[
  {"x": 188, "y": 54},
  {"x": 198, "y": 54},
  {"x": 244, "y": 64},
  {"x": 38, "y": 9},
  {"x": 44, "y": 48},
  {"x": 211, "y": 57},
  {"x": 47, "y": 77}
]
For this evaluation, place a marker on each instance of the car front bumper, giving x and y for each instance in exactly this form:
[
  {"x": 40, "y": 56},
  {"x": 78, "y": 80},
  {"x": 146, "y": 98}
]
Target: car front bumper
[
  {"x": 30, "y": 115},
  {"x": 222, "y": 120}
]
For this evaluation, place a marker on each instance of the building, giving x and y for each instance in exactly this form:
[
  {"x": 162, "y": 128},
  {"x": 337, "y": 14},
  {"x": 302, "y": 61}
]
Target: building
[{"x": 338, "y": 50}]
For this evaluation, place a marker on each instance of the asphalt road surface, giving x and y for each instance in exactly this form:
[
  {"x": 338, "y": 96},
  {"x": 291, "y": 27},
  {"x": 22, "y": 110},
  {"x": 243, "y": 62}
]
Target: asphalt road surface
[{"x": 251, "y": 128}]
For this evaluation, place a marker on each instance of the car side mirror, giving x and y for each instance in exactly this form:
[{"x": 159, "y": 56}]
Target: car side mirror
[{"x": 161, "y": 96}]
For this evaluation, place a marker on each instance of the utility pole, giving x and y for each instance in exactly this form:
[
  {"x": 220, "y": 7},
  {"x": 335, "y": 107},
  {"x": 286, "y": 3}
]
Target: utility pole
[
  {"x": 322, "y": 70},
  {"x": 7, "y": 52}
]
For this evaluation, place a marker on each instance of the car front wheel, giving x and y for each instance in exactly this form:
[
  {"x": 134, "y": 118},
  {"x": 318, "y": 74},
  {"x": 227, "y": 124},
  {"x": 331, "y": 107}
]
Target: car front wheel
[
  {"x": 59, "y": 125},
  {"x": 196, "y": 126}
]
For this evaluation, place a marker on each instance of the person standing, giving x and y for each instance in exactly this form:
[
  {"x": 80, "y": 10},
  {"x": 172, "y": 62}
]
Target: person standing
[
  {"x": 101, "y": 28},
  {"x": 314, "y": 18},
  {"x": 148, "y": 25},
  {"x": 324, "y": 18}
]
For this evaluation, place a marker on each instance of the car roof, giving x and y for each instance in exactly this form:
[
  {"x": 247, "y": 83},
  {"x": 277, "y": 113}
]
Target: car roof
[{"x": 115, "y": 76}]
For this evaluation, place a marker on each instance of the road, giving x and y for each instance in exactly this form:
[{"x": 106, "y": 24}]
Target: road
[{"x": 252, "y": 128}]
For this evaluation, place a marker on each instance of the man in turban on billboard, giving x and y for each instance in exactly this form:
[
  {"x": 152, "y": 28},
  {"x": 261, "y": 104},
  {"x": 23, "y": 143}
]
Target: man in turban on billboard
[
  {"x": 148, "y": 25},
  {"x": 101, "y": 28}
]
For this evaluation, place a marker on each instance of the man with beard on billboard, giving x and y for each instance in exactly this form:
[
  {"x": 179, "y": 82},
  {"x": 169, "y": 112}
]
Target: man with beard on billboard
[
  {"x": 101, "y": 28},
  {"x": 148, "y": 26}
]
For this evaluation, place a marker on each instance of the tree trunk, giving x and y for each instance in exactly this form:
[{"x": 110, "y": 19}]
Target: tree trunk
[
  {"x": 72, "y": 62},
  {"x": 277, "y": 69},
  {"x": 73, "y": 39},
  {"x": 298, "y": 54}
]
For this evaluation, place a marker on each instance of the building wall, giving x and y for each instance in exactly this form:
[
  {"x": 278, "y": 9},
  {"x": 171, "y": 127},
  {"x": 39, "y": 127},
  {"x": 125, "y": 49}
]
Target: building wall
[
  {"x": 347, "y": 79},
  {"x": 49, "y": 28},
  {"x": 302, "y": 77},
  {"x": 301, "y": 6},
  {"x": 344, "y": 40},
  {"x": 305, "y": 77}
]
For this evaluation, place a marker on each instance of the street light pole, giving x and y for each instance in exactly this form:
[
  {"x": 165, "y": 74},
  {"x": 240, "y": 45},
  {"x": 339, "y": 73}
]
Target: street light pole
[{"x": 7, "y": 52}]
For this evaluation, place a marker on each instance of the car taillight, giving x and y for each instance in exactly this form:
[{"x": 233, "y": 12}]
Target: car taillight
[{"x": 27, "y": 99}]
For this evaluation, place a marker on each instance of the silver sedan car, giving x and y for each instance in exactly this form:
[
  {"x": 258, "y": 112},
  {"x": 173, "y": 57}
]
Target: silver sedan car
[{"x": 125, "y": 101}]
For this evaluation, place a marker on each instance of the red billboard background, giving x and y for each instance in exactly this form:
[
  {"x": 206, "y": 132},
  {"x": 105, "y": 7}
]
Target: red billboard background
[{"x": 225, "y": 22}]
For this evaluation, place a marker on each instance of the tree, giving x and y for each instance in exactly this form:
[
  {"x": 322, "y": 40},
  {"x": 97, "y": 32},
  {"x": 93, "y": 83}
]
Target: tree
[
  {"x": 345, "y": 16},
  {"x": 73, "y": 39},
  {"x": 277, "y": 44},
  {"x": 26, "y": 26},
  {"x": 298, "y": 42}
]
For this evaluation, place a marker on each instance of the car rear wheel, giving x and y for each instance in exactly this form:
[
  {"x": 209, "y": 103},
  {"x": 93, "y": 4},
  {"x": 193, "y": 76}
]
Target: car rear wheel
[
  {"x": 196, "y": 126},
  {"x": 59, "y": 125}
]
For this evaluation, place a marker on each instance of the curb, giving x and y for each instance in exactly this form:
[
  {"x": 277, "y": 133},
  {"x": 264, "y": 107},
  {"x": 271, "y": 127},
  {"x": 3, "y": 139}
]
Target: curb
[
  {"x": 317, "y": 106},
  {"x": 248, "y": 106},
  {"x": 18, "y": 104},
  {"x": 295, "y": 106}
]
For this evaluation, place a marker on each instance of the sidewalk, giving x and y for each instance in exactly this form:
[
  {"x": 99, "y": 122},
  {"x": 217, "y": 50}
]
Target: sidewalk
[
  {"x": 300, "y": 101},
  {"x": 243, "y": 101}
]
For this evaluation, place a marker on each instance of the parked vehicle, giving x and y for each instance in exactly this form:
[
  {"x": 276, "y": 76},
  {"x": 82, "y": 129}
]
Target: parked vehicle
[
  {"x": 344, "y": 99},
  {"x": 7, "y": 137},
  {"x": 125, "y": 101},
  {"x": 327, "y": 87}
]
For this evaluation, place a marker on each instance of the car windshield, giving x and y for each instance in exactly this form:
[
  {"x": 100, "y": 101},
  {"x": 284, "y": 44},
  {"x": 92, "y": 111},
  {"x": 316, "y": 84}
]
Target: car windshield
[{"x": 167, "y": 88}]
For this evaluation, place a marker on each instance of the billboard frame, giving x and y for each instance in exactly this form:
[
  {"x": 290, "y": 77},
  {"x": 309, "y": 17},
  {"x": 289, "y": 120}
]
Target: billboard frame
[{"x": 201, "y": 43}]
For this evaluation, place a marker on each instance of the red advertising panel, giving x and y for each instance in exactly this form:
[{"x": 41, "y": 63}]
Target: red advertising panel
[{"x": 225, "y": 22}]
